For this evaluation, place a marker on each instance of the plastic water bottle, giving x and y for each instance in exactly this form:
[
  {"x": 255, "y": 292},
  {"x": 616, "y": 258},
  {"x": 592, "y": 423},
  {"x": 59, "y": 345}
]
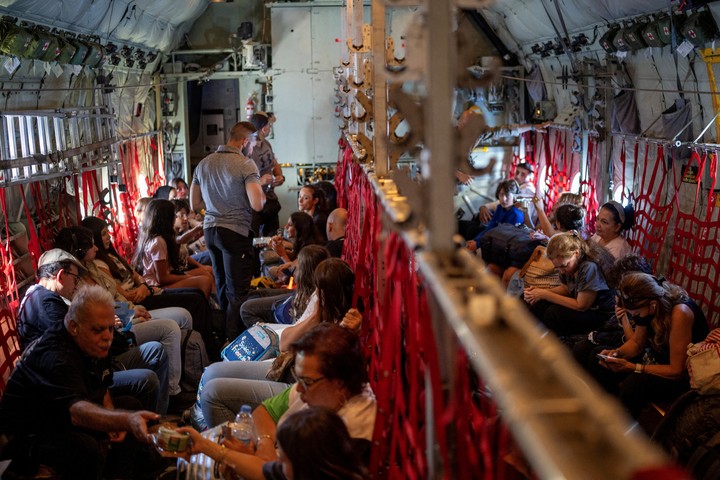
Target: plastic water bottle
[{"x": 244, "y": 428}]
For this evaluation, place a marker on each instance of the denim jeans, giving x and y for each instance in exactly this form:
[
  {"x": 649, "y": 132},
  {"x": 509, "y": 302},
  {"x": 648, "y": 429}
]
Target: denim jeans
[
  {"x": 168, "y": 333},
  {"x": 258, "y": 308},
  {"x": 145, "y": 376},
  {"x": 232, "y": 259},
  {"x": 227, "y": 386}
]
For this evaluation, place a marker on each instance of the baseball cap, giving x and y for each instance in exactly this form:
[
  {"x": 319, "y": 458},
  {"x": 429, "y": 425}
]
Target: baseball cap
[{"x": 56, "y": 255}]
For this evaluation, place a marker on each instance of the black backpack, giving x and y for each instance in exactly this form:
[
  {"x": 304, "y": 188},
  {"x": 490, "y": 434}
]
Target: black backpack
[
  {"x": 194, "y": 360},
  {"x": 508, "y": 245}
]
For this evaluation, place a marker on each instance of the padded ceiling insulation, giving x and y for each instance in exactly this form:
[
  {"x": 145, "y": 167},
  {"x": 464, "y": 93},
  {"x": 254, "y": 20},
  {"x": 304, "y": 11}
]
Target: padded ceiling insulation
[
  {"x": 154, "y": 24},
  {"x": 525, "y": 22}
]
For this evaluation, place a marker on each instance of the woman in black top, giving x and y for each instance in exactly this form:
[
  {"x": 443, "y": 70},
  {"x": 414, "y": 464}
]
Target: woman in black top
[{"x": 651, "y": 366}]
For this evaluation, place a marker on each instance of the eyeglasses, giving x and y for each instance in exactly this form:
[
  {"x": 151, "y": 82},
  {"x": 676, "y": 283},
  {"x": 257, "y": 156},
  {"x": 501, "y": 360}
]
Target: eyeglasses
[
  {"x": 77, "y": 277},
  {"x": 305, "y": 382}
]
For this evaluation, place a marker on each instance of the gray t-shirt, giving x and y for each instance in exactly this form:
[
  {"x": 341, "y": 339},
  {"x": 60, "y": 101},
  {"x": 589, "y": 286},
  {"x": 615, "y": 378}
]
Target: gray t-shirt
[
  {"x": 589, "y": 277},
  {"x": 264, "y": 158},
  {"x": 222, "y": 177}
]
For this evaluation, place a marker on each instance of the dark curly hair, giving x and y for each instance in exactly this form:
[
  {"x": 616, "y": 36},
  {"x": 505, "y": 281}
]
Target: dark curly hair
[
  {"x": 570, "y": 217},
  {"x": 339, "y": 353}
]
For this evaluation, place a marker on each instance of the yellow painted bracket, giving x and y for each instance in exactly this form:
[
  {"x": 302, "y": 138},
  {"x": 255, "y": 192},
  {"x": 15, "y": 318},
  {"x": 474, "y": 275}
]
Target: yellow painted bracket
[{"x": 711, "y": 56}]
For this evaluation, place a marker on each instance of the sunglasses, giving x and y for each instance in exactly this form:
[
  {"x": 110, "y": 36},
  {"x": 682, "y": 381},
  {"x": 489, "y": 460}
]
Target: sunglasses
[{"x": 627, "y": 301}]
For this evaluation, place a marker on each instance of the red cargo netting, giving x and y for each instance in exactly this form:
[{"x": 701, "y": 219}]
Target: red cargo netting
[
  {"x": 653, "y": 196},
  {"x": 694, "y": 263},
  {"x": 559, "y": 167},
  {"x": 400, "y": 343}
]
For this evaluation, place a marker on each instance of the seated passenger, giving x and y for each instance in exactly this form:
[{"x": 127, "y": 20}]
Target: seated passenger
[
  {"x": 142, "y": 371},
  {"x": 539, "y": 271},
  {"x": 612, "y": 220},
  {"x": 181, "y": 188},
  {"x": 336, "y": 231},
  {"x": 132, "y": 285},
  {"x": 227, "y": 386},
  {"x": 506, "y": 211},
  {"x": 331, "y": 373},
  {"x": 526, "y": 188},
  {"x": 583, "y": 301},
  {"x": 57, "y": 408},
  {"x": 260, "y": 308},
  {"x": 193, "y": 251},
  {"x": 157, "y": 252},
  {"x": 619, "y": 328},
  {"x": 546, "y": 225},
  {"x": 313, "y": 443},
  {"x": 300, "y": 230},
  {"x": 311, "y": 200},
  {"x": 651, "y": 366}
]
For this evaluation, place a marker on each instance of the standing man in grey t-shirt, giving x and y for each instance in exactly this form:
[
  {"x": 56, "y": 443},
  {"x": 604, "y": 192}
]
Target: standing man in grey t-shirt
[{"x": 228, "y": 186}]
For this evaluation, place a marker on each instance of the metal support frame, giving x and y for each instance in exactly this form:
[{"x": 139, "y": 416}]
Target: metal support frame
[{"x": 566, "y": 426}]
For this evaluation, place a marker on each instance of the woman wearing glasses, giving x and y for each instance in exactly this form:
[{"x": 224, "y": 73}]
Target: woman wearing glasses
[
  {"x": 651, "y": 366},
  {"x": 583, "y": 301},
  {"x": 331, "y": 373},
  {"x": 226, "y": 386}
]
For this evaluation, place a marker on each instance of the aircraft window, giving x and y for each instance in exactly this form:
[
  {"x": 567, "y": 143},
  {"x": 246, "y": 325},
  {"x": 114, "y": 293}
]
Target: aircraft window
[{"x": 575, "y": 184}]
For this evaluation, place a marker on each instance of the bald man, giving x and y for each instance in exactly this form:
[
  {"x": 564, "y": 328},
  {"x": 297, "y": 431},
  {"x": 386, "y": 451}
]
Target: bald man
[{"x": 335, "y": 229}]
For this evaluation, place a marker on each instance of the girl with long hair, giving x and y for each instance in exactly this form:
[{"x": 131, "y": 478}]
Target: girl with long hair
[
  {"x": 260, "y": 308},
  {"x": 158, "y": 254},
  {"x": 312, "y": 201},
  {"x": 301, "y": 231},
  {"x": 583, "y": 301},
  {"x": 651, "y": 365}
]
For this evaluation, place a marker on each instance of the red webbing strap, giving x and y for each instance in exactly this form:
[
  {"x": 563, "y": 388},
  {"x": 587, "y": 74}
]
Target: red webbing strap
[
  {"x": 623, "y": 177},
  {"x": 151, "y": 143},
  {"x": 405, "y": 345},
  {"x": 345, "y": 160},
  {"x": 556, "y": 178},
  {"x": 480, "y": 436},
  {"x": 588, "y": 188},
  {"x": 8, "y": 281},
  {"x": 694, "y": 264}
]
